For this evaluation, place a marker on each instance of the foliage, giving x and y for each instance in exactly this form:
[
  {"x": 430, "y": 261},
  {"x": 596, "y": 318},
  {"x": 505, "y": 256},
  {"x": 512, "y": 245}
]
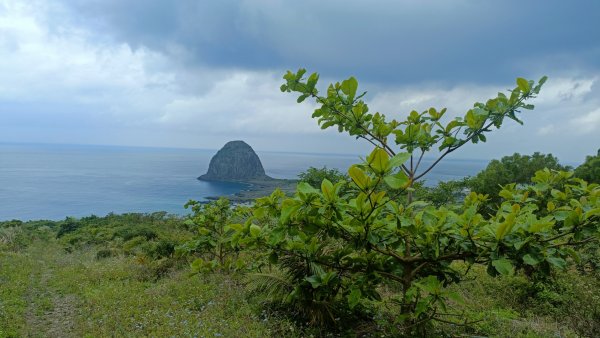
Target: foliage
[
  {"x": 516, "y": 168},
  {"x": 12, "y": 238},
  {"x": 336, "y": 251},
  {"x": 510, "y": 306},
  {"x": 16, "y": 235},
  {"x": 590, "y": 169},
  {"x": 314, "y": 176},
  {"x": 69, "y": 225},
  {"x": 446, "y": 193},
  {"x": 113, "y": 296},
  {"x": 150, "y": 238},
  {"x": 213, "y": 240}
]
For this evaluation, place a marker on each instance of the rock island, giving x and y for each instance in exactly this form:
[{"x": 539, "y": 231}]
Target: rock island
[{"x": 238, "y": 162}]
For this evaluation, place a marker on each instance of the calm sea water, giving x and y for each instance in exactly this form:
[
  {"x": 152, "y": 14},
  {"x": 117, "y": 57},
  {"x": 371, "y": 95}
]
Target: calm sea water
[{"x": 55, "y": 181}]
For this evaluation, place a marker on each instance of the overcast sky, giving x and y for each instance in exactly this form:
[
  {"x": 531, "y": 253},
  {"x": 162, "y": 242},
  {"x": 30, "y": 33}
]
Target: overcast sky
[{"x": 196, "y": 74}]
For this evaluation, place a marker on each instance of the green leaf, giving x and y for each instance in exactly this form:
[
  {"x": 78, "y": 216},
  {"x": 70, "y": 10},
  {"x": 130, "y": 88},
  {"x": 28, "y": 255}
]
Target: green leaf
[
  {"x": 288, "y": 207},
  {"x": 455, "y": 296},
  {"x": 528, "y": 259},
  {"x": 235, "y": 227},
  {"x": 276, "y": 236},
  {"x": 373, "y": 238},
  {"x": 199, "y": 265},
  {"x": 306, "y": 188},
  {"x": 315, "y": 281},
  {"x": 301, "y": 98},
  {"x": 379, "y": 160},
  {"x": 255, "y": 230},
  {"x": 398, "y": 159},
  {"x": 397, "y": 181},
  {"x": 430, "y": 284},
  {"x": 327, "y": 189},
  {"x": 505, "y": 227},
  {"x": 503, "y": 266},
  {"x": 470, "y": 119},
  {"x": 523, "y": 85},
  {"x": 591, "y": 213},
  {"x": 519, "y": 244},
  {"x": 452, "y": 124},
  {"x": 537, "y": 88},
  {"x": 312, "y": 80},
  {"x": 354, "y": 298},
  {"x": 349, "y": 87},
  {"x": 359, "y": 177},
  {"x": 557, "y": 262}
]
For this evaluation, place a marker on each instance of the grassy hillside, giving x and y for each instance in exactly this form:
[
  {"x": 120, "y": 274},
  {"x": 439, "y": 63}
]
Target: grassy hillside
[
  {"x": 95, "y": 281},
  {"x": 118, "y": 275}
]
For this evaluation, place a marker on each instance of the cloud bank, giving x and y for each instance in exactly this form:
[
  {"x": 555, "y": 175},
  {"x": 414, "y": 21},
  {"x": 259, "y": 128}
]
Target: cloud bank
[{"x": 197, "y": 74}]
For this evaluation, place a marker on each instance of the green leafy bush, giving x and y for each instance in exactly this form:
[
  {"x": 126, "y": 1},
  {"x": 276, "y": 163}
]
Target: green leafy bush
[
  {"x": 516, "y": 168},
  {"x": 590, "y": 169},
  {"x": 314, "y": 176},
  {"x": 106, "y": 253},
  {"x": 69, "y": 225},
  {"x": 129, "y": 232},
  {"x": 211, "y": 247},
  {"x": 334, "y": 253}
]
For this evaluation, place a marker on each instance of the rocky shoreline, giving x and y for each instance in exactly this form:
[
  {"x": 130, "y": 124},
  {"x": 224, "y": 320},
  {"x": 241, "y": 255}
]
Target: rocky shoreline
[{"x": 258, "y": 188}]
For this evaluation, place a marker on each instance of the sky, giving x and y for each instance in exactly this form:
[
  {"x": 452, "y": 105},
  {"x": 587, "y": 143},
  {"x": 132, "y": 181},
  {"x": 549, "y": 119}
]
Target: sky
[{"x": 197, "y": 74}]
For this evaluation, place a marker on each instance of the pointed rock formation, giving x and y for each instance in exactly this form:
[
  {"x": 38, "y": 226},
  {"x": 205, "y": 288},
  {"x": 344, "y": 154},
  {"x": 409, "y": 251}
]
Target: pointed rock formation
[{"x": 236, "y": 161}]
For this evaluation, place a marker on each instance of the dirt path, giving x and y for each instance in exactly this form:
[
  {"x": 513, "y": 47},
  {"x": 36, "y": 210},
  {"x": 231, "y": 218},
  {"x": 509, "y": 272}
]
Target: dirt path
[{"x": 49, "y": 313}]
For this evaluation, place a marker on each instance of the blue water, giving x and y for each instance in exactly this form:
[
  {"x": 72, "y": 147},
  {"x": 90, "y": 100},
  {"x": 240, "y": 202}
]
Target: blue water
[{"x": 55, "y": 181}]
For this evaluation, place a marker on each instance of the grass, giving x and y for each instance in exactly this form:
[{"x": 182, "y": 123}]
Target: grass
[
  {"x": 15, "y": 271},
  {"x": 110, "y": 297},
  {"x": 63, "y": 287},
  {"x": 568, "y": 306}
]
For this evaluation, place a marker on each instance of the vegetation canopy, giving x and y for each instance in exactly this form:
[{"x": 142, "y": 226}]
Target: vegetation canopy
[
  {"x": 516, "y": 168},
  {"x": 333, "y": 250}
]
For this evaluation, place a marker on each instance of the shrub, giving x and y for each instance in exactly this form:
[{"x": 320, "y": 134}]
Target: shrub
[
  {"x": 128, "y": 232},
  {"x": 337, "y": 250},
  {"x": 69, "y": 225},
  {"x": 106, "y": 253}
]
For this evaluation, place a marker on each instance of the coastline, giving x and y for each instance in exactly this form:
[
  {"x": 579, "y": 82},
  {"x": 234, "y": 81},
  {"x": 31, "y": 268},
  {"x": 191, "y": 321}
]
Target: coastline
[{"x": 258, "y": 188}]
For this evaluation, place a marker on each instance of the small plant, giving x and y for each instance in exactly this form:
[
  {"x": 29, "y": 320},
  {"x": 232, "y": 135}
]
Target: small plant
[
  {"x": 314, "y": 176},
  {"x": 213, "y": 240}
]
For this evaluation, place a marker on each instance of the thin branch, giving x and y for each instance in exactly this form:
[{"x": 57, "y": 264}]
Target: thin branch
[
  {"x": 419, "y": 267},
  {"x": 419, "y": 161},
  {"x": 369, "y": 140},
  {"x": 382, "y": 144},
  {"x": 434, "y": 164},
  {"x": 587, "y": 240},
  {"x": 558, "y": 236},
  {"x": 476, "y": 133}
]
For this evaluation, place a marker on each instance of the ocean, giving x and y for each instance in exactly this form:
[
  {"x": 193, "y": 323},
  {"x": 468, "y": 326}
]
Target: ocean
[{"x": 56, "y": 181}]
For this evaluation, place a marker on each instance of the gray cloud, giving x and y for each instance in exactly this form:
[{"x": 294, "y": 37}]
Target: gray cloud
[
  {"x": 198, "y": 73},
  {"x": 390, "y": 41}
]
